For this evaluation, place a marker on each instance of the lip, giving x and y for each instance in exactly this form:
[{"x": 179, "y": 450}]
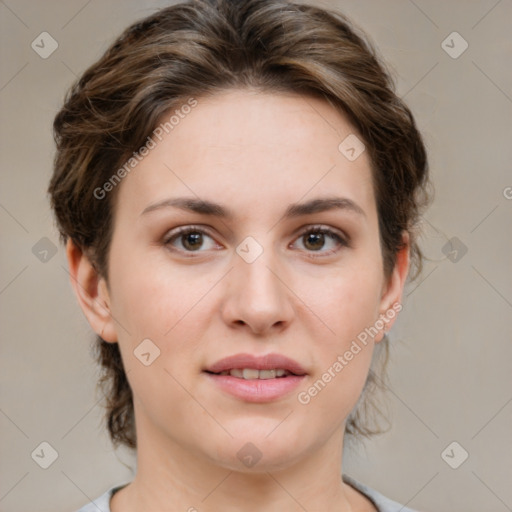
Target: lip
[{"x": 256, "y": 390}]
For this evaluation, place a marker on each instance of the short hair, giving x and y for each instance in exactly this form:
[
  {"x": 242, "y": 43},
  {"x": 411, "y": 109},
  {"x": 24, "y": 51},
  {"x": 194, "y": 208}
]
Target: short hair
[{"x": 196, "y": 49}]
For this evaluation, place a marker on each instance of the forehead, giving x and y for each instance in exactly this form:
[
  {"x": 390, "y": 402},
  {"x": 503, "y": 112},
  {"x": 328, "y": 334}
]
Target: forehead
[
  {"x": 251, "y": 147},
  {"x": 252, "y": 120}
]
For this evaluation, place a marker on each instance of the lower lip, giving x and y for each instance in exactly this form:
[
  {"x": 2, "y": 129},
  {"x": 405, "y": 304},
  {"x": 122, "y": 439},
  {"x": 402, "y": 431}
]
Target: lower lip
[{"x": 257, "y": 390}]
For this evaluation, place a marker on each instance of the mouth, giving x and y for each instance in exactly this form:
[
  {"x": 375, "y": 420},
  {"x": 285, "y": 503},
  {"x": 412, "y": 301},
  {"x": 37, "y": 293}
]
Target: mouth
[
  {"x": 249, "y": 367},
  {"x": 256, "y": 378},
  {"x": 253, "y": 373}
]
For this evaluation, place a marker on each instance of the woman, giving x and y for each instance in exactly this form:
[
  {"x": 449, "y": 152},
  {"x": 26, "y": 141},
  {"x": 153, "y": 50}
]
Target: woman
[{"x": 238, "y": 187}]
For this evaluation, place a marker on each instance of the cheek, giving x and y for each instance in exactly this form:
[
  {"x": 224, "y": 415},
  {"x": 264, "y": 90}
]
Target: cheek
[
  {"x": 349, "y": 308},
  {"x": 165, "y": 307},
  {"x": 347, "y": 301},
  {"x": 150, "y": 297},
  {"x": 170, "y": 306}
]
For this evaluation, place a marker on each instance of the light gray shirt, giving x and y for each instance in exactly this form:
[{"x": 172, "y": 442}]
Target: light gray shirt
[{"x": 383, "y": 504}]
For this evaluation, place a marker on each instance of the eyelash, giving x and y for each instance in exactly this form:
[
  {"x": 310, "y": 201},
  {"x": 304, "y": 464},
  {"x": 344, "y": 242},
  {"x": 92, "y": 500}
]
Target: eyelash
[{"x": 342, "y": 242}]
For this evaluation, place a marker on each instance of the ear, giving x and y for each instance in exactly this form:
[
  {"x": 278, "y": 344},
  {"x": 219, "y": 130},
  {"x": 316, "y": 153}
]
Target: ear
[
  {"x": 391, "y": 300},
  {"x": 91, "y": 291}
]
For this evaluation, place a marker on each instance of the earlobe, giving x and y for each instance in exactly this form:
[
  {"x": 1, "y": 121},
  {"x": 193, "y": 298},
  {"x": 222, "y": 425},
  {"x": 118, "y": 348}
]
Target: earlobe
[
  {"x": 91, "y": 292},
  {"x": 391, "y": 300}
]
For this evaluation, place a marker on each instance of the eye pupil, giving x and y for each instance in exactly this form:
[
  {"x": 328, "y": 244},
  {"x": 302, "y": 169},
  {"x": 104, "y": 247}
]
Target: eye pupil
[
  {"x": 315, "y": 237},
  {"x": 196, "y": 239}
]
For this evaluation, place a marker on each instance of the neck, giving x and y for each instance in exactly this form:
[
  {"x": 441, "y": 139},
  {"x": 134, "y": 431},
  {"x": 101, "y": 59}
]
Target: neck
[{"x": 172, "y": 477}]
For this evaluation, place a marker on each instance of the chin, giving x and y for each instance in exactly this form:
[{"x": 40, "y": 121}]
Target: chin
[{"x": 259, "y": 453}]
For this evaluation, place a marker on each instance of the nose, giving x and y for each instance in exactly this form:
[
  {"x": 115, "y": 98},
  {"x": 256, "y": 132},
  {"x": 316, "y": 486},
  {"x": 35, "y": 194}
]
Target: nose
[{"x": 257, "y": 297}]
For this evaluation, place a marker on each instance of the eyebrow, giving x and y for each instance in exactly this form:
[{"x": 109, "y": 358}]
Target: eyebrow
[{"x": 205, "y": 207}]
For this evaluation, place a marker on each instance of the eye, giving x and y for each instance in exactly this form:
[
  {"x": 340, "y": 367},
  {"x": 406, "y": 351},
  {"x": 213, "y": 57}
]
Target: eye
[
  {"x": 316, "y": 237},
  {"x": 189, "y": 238}
]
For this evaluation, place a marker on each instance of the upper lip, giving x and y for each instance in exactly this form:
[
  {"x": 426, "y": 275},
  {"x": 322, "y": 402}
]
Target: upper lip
[{"x": 265, "y": 362}]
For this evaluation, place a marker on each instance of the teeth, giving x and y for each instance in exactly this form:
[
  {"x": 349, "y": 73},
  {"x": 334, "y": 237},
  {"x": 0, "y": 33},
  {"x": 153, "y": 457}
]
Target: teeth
[
  {"x": 267, "y": 374},
  {"x": 252, "y": 373}
]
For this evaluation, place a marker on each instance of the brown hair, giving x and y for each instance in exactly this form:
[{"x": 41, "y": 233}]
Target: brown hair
[{"x": 198, "y": 48}]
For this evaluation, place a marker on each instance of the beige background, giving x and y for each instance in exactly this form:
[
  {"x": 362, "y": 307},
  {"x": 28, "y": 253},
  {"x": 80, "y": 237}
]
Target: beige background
[{"x": 451, "y": 363}]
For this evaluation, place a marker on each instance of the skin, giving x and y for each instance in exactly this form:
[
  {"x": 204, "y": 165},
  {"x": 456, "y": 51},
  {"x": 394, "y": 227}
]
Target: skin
[{"x": 254, "y": 153}]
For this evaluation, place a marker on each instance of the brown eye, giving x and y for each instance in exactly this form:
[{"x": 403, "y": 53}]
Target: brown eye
[
  {"x": 189, "y": 239},
  {"x": 192, "y": 240},
  {"x": 316, "y": 238},
  {"x": 314, "y": 241}
]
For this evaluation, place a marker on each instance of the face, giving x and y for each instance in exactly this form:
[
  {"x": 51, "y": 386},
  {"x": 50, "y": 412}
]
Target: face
[{"x": 254, "y": 320}]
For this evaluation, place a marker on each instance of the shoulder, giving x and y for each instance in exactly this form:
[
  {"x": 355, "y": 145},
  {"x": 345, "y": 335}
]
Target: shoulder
[
  {"x": 381, "y": 502},
  {"x": 102, "y": 504}
]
